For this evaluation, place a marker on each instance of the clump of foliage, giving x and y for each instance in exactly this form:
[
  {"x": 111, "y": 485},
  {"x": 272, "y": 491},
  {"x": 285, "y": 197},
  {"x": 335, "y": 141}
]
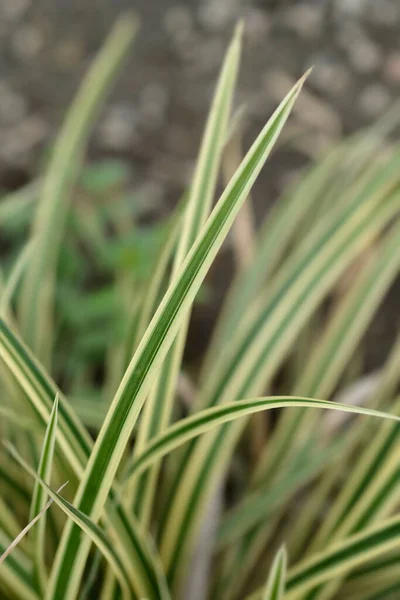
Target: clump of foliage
[{"x": 309, "y": 505}]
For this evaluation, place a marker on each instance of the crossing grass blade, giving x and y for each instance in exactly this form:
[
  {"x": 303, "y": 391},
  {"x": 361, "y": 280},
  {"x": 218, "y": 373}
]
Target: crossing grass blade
[
  {"x": 275, "y": 587},
  {"x": 16, "y": 573},
  {"x": 389, "y": 379},
  {"x": 346, "y": 507},
  {"x": 121, "y": 418},
  {"x": 39, "y": 498},
  {"x": 329, "y": 358},
  {"x": 340, "y": 558},
  {"x": 10, "y": 549},
  {"x": 88, "y": 527},
  {"x": 159, "y": 406},
  {"x": 75, "y": 445},
  {"x": 203, "y": 421},
  {"x": 38, "y": 284}
]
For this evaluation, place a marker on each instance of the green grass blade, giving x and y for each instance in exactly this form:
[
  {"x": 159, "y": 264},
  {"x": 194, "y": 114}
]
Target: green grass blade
[
  {"x": 121, "y": 418},
  {"x": 158, "y": 409},
  {"x": 271, "y": 244},
  {"x": 93, "y": 532},
  {"x": 374, "y": 461},
  {"x": 331, "y": 354},
  {"x": 75, "y": 445},
  {"x": 37, "y": 293},
  {"x": 340, "y": 558},
  {"x": 262, "y": 503},
  {"x": 275, "y": 587},
  {"x": 203, "y": 421},
  {"x": 371, "y": 475},
  {"x": 12, "y": 416},
  {"x": 39, "y": 497},
  {"x": 265, "y": 336},
  {"x": 317, "y": 192},
  {"x": 15, "y": 573}
]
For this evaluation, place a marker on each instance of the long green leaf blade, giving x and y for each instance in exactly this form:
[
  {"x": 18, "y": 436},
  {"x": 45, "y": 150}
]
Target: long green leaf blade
[
  {"x": 16, "y": 573},
  {"x": 158, "y": 409},
  {"x": 39, "y": 497},
  {"x": 125, "y": 408},
  {"x": 203, "y": 421},
  {"x": 263, "y": 338},
  {"x": 275, "y": 587},
  {"x": 335, "y": 561},
  {"x": 88, "y": 527},
  {"x": 75, "y": 445}
]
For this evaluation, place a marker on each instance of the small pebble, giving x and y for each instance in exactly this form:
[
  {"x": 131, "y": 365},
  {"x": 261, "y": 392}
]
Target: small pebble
[
  {"x": 349, "y": 33},
  {"x": 384, "y": 12},
  {"x": 374, "y": 99},
  {"x": 178, "y": 21},
  {"x": 216, "y": 15},
  {"x": 392, "y": 68},
  {"x": 351, "y": 8},
  {"x": 69, "y": 53},
  {"x": 257, "y": 25},
  {"x": 304, "y": 19},
  {"x": 13, "y": 106},
  {"x": 365, "y": 57},
  {"x": 21, "y": 139},
  {"x": 27, "y": 42},
  {"x": 153, "y": 103},
  {"x": 13, "y": 10},
  {"x": 330, "y": 76},
  {"x": 118, "y": 127},
  {"x": 317, "y": 113}
]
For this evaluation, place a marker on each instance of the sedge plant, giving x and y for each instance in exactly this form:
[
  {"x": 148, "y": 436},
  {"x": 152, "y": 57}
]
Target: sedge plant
[{"x": 107, "y": 494}]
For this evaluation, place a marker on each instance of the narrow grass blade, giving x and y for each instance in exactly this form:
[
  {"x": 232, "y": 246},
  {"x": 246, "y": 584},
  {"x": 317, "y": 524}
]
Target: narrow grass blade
[
  {"x": 9, "y": 523},
  {"x": 158, "y": 409},
  {"x": 15, "y": 573},
  {"x": 88, "y": 527},
  {"x": 271, "y": 243},
  {"x": 376, "y": 458},
  {"x": 275, "y": 587},
  {"x": 122, "y": 416},
  {"x": 340, "y": 558},
  {"x": 37, "y": 293},
  {"x": 332, "y": 352},
  {"x": 27, "y": 528},
  {"x": 40, "y": 496},
  {"x": 317, "y": 192},
  {"x": 265, "y": 501},
  {"x": 75, "y": 445},
  {"x": 199, "y": 423}
]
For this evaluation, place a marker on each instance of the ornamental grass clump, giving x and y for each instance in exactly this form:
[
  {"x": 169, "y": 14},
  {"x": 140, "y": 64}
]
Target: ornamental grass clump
[{"x": 301, "y": 507}]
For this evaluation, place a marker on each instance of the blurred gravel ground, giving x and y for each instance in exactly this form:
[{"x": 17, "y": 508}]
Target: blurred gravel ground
[{"x": 156, "y": 114}]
